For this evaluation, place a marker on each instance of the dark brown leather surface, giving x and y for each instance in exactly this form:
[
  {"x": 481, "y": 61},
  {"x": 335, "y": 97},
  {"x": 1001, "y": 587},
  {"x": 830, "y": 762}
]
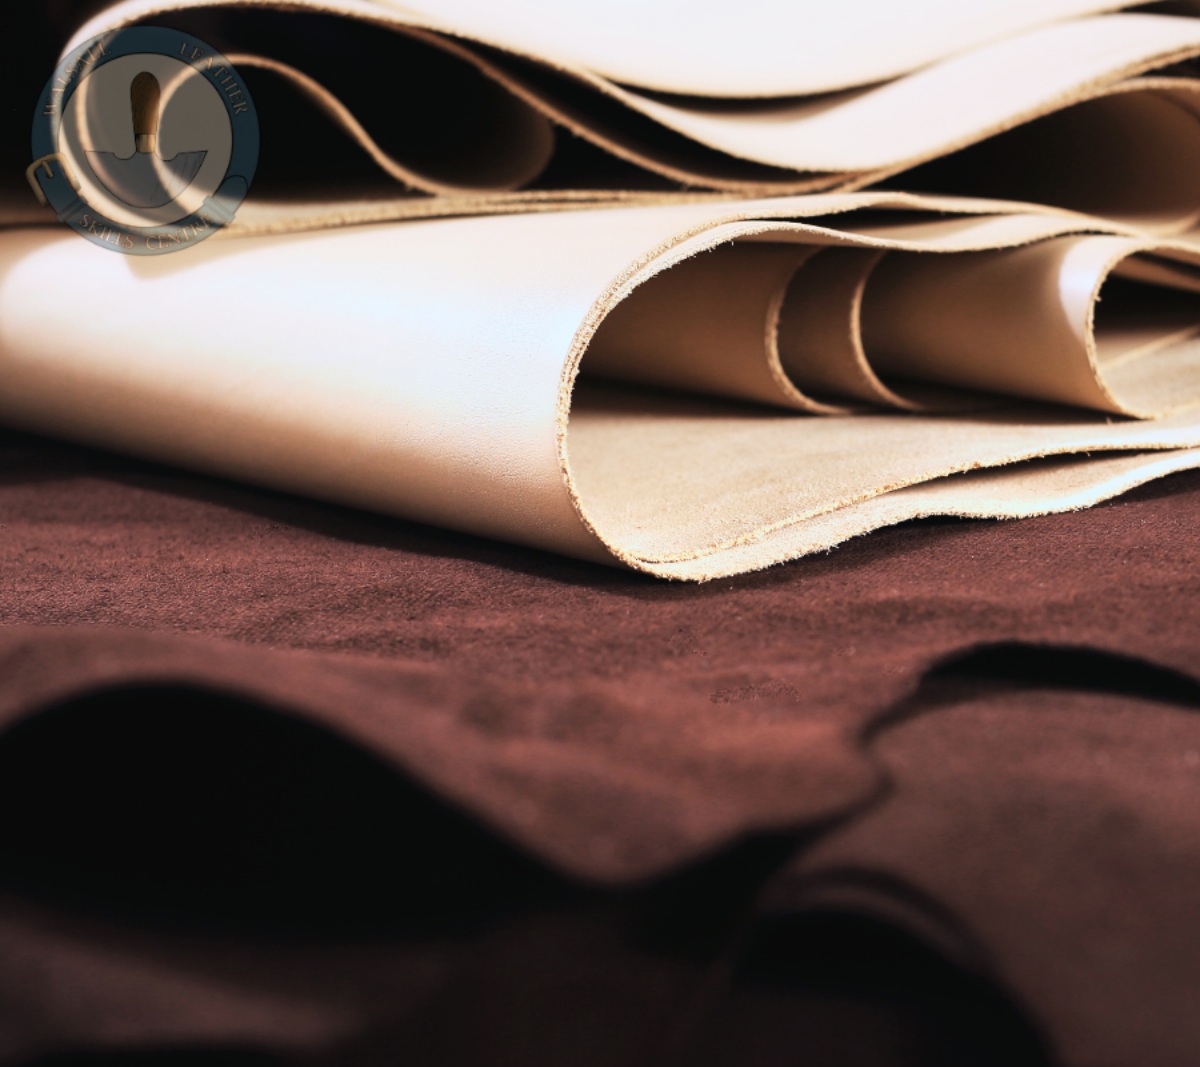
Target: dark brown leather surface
[{"x": 293, "y": 783}]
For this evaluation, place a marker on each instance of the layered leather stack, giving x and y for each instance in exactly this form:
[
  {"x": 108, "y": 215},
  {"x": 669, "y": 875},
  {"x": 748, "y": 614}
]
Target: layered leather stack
[{"x": 634, "y": 362}]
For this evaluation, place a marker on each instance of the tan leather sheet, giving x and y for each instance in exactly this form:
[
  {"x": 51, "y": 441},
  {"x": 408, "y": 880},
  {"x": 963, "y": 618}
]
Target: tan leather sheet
[
  {"x": 486, "y": 374},
  {"x": 801, "y": 97}
]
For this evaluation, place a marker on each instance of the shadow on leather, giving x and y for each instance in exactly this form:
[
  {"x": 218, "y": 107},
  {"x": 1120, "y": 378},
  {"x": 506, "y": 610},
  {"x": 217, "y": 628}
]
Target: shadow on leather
[
  {"x": 1068, "y": 667},
  {"x": 180, "y": 805},
  {"x": 842, "y": 989},
  {"x": 1014, "y": 665},
  {"x": 159, "y": 1057}
]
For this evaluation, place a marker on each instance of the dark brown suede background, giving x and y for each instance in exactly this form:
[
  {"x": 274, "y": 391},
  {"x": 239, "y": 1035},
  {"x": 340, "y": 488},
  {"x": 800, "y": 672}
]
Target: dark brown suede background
[{"x": 284, "y": 782}]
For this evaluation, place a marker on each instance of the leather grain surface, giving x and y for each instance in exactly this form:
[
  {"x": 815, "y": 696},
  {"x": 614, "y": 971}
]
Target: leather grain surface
[{"x": 307, "y": 784}]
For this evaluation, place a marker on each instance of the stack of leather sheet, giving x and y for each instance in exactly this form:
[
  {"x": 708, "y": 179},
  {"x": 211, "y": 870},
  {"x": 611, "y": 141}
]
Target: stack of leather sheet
[
  {"x": 343, "y": 760},
  {"x": 693, "y": 384}
]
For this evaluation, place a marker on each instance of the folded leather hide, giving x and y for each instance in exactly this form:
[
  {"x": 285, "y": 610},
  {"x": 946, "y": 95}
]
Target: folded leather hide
[{"x": 681, "y": 381}]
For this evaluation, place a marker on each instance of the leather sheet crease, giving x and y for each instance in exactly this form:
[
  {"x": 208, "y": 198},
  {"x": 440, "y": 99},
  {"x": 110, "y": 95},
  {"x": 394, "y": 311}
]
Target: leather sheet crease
[{"x": 690, "y": 326}]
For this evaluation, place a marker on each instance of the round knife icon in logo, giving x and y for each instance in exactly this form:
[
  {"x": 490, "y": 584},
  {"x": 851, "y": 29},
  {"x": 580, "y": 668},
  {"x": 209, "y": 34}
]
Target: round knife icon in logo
[
  {"x": 145, "y": 179},
  {"x": 145, "y": 141}
]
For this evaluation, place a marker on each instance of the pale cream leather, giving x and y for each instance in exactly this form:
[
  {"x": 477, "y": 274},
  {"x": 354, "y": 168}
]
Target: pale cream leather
[
  {"x": 431, "y": 370},
  {"x": 710, "y": 324},
  {"x": 1019, "y": 322},
  {"x": 593, "y": 360},
  {"x": 915, "y": 83},
  {"x": 748, "y": 49},
  {"x": 1130, "y": 151}
]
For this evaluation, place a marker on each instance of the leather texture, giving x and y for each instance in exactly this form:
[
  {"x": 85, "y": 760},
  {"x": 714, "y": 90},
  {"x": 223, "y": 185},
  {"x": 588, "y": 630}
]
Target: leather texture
[
  {"x": 587, "y": 337},
  {"x": 433, "y": 370},
  {"x": 881, "y": 88}
]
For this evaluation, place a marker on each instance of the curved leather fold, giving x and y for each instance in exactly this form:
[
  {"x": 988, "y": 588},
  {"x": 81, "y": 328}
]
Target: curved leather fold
[{"x": 430, "y": 370}]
